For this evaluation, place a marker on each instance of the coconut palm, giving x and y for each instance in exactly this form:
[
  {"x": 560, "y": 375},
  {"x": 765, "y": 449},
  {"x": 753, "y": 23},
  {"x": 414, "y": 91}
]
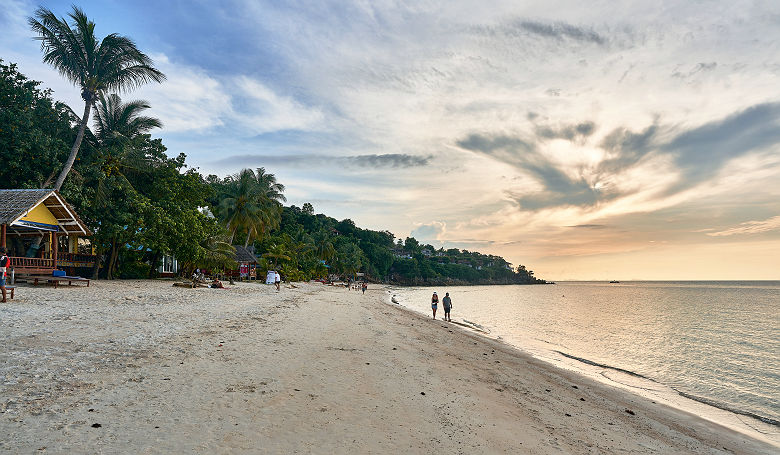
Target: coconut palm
[
  {"x": 96, "y": 66},
  {"x": 117, "y": 121},
  {"x": 251, "y": 204},
  {"x": 116, "y": 125},
  {"x": 324, "y": 247},
  {"x": 271, "y": 189},
  {"x": 241, "y": 208},
  {"x": 278, "y": 253}
]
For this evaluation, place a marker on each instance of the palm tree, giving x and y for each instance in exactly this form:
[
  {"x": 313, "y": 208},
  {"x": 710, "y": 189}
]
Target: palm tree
[
  {"x": 115, "y": 63},
  {"x": 218, "y": 253},
  {"x": 116, "y": 125},
  {"x": 241, "y": 208},
  {"x": 271, "y": 189},
  {"x": 271, "y": 199},
  {"x": 118, "y": 121},
  {"x": 324, "y": 247},
  {"x": 277, "y": 252},
  {"x": 252, "y": 204}
]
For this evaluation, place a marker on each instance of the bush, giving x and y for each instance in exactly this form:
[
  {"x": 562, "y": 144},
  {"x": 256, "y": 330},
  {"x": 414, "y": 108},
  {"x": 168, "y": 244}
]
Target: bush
[{"x": 134, "y": 270}]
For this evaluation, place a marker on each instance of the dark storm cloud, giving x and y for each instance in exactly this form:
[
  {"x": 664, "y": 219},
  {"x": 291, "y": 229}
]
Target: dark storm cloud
[{"x": 384, "y": 161}]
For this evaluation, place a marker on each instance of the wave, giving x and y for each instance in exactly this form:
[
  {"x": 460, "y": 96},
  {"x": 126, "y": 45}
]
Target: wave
[
  {"x": 601, "y": 365},
  {"x": 707, "y": 401}
]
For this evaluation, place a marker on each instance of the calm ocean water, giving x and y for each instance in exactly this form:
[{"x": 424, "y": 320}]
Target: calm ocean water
[{"x": 714, "y": 342}]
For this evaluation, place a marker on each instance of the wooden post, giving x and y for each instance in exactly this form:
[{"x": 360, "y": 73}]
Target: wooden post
[{"x": 54, "y": 247}]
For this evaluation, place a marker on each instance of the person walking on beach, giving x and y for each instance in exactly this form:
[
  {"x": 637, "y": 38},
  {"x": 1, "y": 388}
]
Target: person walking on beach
[
  {"x": 5, "y": 262},
  {"x": 277, "y": 280},
  {"x": 364, "y": 287},
  {"x": 447, "y": 302},
  {"x": 434, "y": 304}
]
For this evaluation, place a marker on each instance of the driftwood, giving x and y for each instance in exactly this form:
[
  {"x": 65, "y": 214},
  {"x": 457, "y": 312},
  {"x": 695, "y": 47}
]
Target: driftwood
[{"x": 190, "y": 284}]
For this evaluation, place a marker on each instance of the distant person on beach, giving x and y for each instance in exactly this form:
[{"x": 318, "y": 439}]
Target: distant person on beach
[
  {"x": 434, "y": 304},
  {"x": 277, "y": 280},
  {"x": 364, "y": 287},
  {"x": 217, "y": 284},
  {"x": 447, "y": 302},
  {"x": 5, "y": 263}
]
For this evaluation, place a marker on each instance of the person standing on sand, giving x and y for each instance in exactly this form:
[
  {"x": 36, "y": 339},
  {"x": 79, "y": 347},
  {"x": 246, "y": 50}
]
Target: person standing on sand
[
  {"x": 5, "y": 262},
  {"x": 364, "y": 287},
  {"x": 434, "y": 304},
  {"x": 277, "y": 280},
  {"x": 447, "y": 302}
]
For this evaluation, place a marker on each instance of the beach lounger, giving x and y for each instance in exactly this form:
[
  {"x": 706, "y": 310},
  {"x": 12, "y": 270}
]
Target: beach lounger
[{"x": 11, "y": 288}]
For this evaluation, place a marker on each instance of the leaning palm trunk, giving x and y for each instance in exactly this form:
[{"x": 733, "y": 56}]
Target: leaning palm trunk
[{"x": 75, "y": 149}]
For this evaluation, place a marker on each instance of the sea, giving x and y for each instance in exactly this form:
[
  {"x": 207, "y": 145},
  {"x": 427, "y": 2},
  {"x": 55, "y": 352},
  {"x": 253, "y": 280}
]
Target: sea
[{"x": 710, "y": 342}]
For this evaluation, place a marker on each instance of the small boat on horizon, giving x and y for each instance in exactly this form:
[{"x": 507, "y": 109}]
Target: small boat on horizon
[{"x": 614, "y": 281}]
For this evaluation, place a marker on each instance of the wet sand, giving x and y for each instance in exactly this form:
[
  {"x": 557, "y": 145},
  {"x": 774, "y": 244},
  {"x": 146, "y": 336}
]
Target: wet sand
[{"x": 144, "y": 367}]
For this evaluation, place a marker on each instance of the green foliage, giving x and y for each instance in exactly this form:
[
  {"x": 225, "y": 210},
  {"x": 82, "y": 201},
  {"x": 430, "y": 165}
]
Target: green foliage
[
  {"x": 305, "y": 243},
  {"x": 134, "y": 270},
  {"x": 35, "y": 131}
]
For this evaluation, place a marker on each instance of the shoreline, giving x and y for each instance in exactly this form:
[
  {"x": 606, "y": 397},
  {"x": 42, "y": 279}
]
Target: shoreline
[
  {"x": 315, "y": 369},
  {"x": 748, "y": 423}
]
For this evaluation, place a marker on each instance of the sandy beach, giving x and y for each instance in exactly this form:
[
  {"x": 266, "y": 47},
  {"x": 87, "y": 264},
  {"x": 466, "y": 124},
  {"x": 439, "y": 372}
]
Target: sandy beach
[{"x": 145, "y": 367}]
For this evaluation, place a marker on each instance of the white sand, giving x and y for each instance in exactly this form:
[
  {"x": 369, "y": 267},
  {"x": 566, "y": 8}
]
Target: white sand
[{"x": 315, "y": 369}]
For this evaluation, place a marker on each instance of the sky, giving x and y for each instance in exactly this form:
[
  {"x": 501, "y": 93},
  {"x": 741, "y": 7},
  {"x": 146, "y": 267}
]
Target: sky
[{"x": 585, "y": 140}]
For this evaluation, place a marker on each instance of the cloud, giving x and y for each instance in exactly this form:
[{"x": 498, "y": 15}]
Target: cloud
[
  {"x": 189, "y": 99},
  {"x": 559, "y": 189},
  {"x": 386, "y": 161},
  {"x": 701, "y": 152},
  {"x": 558, "y": 31},
  {"x": 589, "y": 226},
  {"x": 430, "y": 232},
  {"x": 696, "y": 155},
  {"x": 699, "y": 68},
  {"x": 567, "y": 132},
  {"x": 262, "y": 110},
  {"x": 750, "y": 227},
  {"x": 625, "y": 148}
]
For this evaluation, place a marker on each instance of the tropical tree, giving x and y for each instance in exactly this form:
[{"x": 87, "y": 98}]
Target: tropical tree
[
  {"x": 120, "y": 122},
  {"x": 324, "y": 247},
  {"x": 241, "y": 206},
  {"x": 120, "y": 137},
  {"x": 278, "y": 253},
  {"x": 35, "y": 130},
  {"x": 270, "y": 188},
  {"x": 95, "y": 66},
  {"x": 251, "y": 204}
]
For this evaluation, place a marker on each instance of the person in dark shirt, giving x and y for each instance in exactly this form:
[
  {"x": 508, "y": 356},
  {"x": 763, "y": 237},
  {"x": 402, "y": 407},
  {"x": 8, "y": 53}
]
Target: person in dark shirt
[{"x": 447, "y": 302}]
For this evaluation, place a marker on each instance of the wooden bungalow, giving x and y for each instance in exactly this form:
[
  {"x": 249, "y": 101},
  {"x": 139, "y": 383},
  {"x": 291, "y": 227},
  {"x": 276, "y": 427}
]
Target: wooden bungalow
[{"x": 29, "y": 215}]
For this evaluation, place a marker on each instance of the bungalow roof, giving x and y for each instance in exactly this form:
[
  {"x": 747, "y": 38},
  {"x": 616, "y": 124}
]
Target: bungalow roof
[{"x": 16, "y": 203}]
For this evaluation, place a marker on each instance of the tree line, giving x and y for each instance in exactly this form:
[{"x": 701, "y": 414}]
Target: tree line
[{"x": 141, "y": 204}]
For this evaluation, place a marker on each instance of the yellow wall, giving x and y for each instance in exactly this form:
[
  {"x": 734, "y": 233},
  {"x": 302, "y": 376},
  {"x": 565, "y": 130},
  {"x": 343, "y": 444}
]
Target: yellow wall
[{"x": 40, "y": 214}]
